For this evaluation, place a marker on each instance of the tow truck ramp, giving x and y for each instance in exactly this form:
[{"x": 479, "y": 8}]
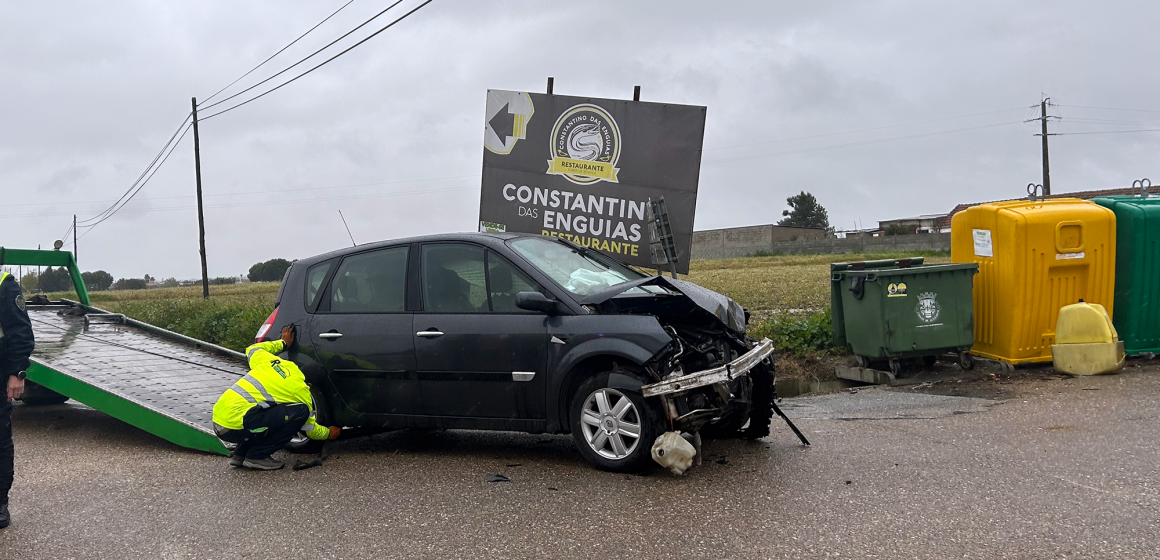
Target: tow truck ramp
[{"x": 151, "y": 378}]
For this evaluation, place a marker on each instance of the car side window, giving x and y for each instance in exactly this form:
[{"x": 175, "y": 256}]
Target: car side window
[
  {"x": 504, "y": 282},
  {"x": 314, "y": 277},
  {"x": 373, "y": 282},
  {"x": 453, "y": 278}
]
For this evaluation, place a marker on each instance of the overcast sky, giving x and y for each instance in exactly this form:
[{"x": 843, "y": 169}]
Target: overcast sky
[{"x": 862, "y": 103}]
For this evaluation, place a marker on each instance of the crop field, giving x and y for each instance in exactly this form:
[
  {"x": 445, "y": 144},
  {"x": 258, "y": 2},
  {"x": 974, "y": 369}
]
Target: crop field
[
  {"x": 788, "y": 296},
  {"x": 795, "y": 284}
]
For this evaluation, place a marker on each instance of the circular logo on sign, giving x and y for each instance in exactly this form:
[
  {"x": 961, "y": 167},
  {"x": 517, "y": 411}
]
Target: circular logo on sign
[
  {"x": 585, "y": 145},
  {"x": 927, "y": 308}
]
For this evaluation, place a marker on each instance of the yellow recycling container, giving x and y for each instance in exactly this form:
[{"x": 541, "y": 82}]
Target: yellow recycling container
[
  {"x": 1086, "y": 343},
  {"x": 1034, "y": 258}
]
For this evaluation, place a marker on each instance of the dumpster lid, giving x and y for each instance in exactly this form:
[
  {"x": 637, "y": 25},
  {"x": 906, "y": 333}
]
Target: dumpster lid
[{"x": 924, "y": 269}]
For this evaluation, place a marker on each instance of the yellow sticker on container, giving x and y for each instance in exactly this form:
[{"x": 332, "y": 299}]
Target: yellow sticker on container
[{"x": 896, "y": 290}]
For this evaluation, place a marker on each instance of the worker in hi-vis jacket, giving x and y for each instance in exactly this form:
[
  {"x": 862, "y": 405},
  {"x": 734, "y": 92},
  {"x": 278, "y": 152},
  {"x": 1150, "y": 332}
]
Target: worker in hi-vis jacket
[{"x": 263, "y": 411}]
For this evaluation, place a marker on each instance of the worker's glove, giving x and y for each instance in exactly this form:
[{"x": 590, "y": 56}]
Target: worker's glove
[{"x": 334, "y": 431}]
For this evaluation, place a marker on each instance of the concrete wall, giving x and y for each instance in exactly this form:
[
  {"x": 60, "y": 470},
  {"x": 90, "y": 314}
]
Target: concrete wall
[
  {"x": 749, "y": 240},
  {"x": 746, "y": 241}
]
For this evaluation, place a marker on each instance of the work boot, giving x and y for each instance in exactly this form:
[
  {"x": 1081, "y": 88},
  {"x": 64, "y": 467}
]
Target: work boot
[
  {"x": 5, "y": 518},
  {"x": 267, "y": 464},
  {"x": 236, "y": 460}
]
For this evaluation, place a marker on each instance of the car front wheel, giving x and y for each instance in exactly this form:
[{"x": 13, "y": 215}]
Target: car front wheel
[{"x": 612, "y": 424}]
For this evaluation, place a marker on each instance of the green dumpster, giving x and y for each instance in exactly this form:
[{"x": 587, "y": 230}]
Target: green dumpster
[
  {"x": 1136, "y": 308},
  {"x": 893, "y": 309}
]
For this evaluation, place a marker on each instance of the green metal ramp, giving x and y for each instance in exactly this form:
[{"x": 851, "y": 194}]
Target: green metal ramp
[{"x": 156, "y": 380}]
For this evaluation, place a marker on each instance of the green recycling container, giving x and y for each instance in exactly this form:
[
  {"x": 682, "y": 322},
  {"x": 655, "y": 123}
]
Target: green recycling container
[
  {"x": 1136, "y": 308},
  {"x": 893, "y": 309}
]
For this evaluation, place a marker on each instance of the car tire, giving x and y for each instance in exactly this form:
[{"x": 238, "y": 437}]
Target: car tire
[
  {"x": 614, "y": 427},
  {"x": 38, "y": 395},
  {"x": 304, "y": 445}
]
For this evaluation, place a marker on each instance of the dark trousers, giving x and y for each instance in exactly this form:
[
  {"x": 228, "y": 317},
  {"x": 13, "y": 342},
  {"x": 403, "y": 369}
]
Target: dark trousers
[
  {"x": 6, "y": 455},
  {"x": 265, "y": 430}
]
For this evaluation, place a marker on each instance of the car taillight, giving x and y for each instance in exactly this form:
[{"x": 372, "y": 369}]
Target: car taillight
[{"x": 265, "y": 328}]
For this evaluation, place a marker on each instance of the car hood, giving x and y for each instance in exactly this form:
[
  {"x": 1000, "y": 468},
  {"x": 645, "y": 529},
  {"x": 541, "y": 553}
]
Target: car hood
[{"x": 718, "y": 306}]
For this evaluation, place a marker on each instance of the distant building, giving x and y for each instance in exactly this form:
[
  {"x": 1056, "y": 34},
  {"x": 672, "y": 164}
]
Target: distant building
[
  {"x": 945, "y": 223},
  {"x": 926, "y": 223}
]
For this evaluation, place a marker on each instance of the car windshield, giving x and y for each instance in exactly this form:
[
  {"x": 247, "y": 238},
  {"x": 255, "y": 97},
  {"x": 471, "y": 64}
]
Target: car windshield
[{"x": 580, "y": 271}]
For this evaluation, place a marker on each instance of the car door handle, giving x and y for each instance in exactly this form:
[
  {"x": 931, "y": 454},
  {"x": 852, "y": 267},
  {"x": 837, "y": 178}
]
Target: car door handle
[
  {"x": 430, "y": 333},
  {"x": 330, "y": 335}
]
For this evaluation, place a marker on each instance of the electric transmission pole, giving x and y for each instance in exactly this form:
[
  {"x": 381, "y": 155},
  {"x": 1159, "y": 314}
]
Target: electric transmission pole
[
  {"x": 200, "y": 213},
  {"x": 1043, "y": 136}
]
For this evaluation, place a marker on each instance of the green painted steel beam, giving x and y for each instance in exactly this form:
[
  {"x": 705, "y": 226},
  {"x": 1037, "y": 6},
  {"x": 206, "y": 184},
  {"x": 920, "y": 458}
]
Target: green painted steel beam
[
  {"x": 125, "y": 410},
  {"x": 37, "y": 257}
]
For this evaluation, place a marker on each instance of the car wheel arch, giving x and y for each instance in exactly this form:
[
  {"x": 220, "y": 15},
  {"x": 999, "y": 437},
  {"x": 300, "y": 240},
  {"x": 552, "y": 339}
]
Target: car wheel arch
[{"x": 624, "y": 373}]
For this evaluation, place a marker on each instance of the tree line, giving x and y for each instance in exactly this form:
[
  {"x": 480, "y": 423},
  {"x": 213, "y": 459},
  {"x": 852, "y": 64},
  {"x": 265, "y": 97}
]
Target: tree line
[{"x": 57, "y": 279}]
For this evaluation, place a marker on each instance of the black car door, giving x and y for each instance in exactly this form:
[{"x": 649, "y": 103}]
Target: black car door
[
  {"x": 363, "y": 336},
  {"x": 477, "y": 354}
]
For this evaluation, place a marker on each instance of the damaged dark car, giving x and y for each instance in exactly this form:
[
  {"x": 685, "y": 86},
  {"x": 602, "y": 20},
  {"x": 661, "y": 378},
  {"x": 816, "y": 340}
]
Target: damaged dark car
[{"x": 494, "y": 331}]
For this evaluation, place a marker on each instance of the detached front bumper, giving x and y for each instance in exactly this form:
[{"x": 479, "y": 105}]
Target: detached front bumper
[{"x": 720, "y": 374}]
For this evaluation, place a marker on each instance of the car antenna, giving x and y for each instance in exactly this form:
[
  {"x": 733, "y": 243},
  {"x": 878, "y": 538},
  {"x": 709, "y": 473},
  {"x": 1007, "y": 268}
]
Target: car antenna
[{"x": 353, "y": 244}]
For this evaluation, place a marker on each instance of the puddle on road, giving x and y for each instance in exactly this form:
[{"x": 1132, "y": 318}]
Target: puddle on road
[{"x": 787, "y": 388}]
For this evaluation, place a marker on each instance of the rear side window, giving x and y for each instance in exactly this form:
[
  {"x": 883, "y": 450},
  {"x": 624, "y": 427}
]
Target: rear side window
[
  {"x": 454, "y": 279},
  {"x": 372, "y": 282},
  {"x": 314, "y": 277}
]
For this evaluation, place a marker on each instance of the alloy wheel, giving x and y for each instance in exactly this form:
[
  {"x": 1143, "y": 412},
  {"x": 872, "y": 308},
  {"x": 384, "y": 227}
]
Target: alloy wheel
[{"x": 611, "y": 423}]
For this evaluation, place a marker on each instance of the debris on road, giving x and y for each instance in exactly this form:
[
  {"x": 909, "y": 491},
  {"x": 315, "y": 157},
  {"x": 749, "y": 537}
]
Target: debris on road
[
  {"x": 497, "y": 478},
  {"x": 673, "y": 452}
]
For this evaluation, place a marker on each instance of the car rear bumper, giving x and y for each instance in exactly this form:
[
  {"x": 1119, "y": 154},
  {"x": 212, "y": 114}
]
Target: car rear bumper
[{"x": 721, "y": 374}]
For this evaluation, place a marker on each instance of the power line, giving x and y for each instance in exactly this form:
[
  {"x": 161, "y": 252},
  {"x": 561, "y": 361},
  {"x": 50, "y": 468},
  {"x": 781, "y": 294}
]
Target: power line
[
  {"x": 269, "y": 202},
  {"x": 865, "y": 129},
  {"x": 864, "y": 142},
  {"x": 308, "y": 57},
  {"x": 1105, "y": 132},
  {"x": 139, "y": 177},
  {"x": 206, "y": 100},
  {"x": 1109, "y": 108},
  {"x": 272, "y": 191},
  {"x": 1107, "y": 121},
  {"x": 142, "y": 186},
  {"x": 348, "y": 49}
]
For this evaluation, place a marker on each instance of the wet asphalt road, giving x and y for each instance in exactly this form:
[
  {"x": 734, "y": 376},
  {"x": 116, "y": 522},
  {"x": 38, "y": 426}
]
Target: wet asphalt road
[{"x": 1057, "y": 468}]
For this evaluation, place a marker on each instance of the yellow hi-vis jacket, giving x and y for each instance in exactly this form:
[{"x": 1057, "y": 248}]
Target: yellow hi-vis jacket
[{"x": 271, "y": 381}]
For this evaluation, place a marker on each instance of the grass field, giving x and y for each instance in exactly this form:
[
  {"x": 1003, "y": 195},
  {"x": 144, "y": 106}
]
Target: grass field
[
  {"x": 788, "y": 296},
  {"x": 229, "y": 318},
  {"x": 768, "y": 286}
]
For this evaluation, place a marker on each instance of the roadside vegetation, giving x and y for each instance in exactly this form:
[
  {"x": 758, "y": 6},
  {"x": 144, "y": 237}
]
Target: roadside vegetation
[{"x": 229, "y": 318}]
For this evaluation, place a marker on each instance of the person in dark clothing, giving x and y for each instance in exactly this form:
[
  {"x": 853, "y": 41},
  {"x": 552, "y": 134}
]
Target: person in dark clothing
[{"x": 16, "y": 345}]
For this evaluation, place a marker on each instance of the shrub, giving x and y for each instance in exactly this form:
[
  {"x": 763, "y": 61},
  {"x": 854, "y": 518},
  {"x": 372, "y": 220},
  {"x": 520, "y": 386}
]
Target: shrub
[
  {"x": 226, "y": 322},
  {"x": 798, "y": 335}
]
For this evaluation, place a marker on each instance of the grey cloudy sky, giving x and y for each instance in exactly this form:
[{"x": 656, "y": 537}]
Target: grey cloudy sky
[{"x": 817, "y": 96}]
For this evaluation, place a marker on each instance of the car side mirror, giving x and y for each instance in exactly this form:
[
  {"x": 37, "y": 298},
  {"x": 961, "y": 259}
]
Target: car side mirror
[{"x": 535, "y": 301}]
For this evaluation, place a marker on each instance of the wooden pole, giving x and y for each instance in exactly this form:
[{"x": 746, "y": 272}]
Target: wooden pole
[{"x": 200, "y": 211}]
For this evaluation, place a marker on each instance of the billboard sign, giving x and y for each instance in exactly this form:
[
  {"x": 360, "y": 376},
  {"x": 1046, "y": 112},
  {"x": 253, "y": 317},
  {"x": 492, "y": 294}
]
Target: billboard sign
[{"x": 584, "y": 169}]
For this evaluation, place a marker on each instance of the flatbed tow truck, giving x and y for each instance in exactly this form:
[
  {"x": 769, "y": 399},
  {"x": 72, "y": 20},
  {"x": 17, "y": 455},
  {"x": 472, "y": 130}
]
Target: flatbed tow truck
[{"x": 160, "y": 381}]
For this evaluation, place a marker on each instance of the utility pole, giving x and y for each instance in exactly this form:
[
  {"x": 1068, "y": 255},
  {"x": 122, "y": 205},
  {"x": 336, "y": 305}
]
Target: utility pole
[
  {"x": 1043, "y": 136},
  {"x": 551, "y": 82},
  {"x": 76, "y": 250},
  {"x": 200, "y": 212}
]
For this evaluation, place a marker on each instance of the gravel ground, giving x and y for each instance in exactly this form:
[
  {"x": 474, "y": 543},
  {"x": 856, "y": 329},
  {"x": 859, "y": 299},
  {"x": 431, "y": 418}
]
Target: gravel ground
[{"x": 1043, "y": 468}]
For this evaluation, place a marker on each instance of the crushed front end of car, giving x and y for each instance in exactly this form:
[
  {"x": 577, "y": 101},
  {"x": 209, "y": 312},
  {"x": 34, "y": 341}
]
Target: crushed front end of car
[{"x": 712, "y": 380}]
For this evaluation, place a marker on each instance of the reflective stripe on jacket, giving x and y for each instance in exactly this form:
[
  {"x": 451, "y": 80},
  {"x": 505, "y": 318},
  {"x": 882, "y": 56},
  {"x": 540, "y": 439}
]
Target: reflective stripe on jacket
[{"x": 271, "y": 380}]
